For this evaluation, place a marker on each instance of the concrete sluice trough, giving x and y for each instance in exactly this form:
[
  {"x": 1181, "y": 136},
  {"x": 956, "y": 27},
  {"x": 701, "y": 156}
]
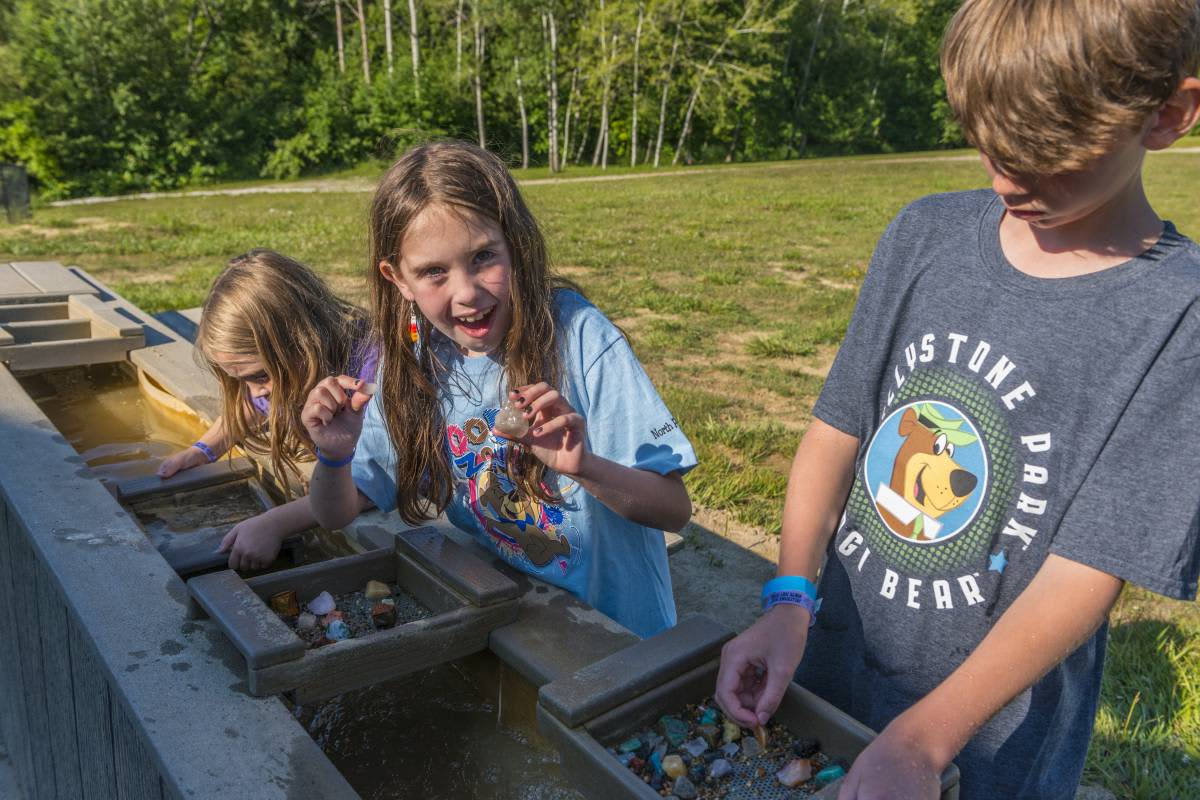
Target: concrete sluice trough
[{"x": 467, "y": 598}]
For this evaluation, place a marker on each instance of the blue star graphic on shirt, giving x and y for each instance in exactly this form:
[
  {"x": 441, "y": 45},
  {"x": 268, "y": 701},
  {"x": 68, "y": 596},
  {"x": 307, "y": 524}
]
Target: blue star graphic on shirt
[{"x": 997, "y": 562}]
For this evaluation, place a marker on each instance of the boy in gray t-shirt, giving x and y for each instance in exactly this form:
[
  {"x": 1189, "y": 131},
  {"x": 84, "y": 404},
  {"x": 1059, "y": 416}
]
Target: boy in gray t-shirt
[{"x": 1011, "y": 428}]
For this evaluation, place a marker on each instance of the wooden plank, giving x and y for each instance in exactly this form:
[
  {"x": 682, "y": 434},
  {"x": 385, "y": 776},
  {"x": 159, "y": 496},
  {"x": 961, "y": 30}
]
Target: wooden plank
[
  {"x": 14, "y": 725},
  {"x": 6, "y": 338},
  {"x": 52, "y": 355},
  {"x": 49, "y": 330},
  {"x": 467, "y": 573},
  {"x": 29, "y": 640},
  {"x": 194, "y": 478},
  {"x": 104, "y": 317},
  {"x": 24, "y": 312},
  {"x": 246, "y": 620},
  {"x": 53, "y": 623},
  {"x": 93, "y": 720},
  {"x": 13, "y": 285},
  {"x": 137, "y": 776},
  {"x": 51, "y": 277}
]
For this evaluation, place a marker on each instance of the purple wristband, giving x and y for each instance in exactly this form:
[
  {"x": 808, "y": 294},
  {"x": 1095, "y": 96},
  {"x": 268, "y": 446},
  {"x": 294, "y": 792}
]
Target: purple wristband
[
  {"x": 793, "y": 598},
  {"x": 329, "y": 462},
  {"x": 208, "y": 453}
]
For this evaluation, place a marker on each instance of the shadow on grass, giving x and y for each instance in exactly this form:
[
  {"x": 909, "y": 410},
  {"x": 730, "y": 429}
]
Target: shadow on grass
[{"x": 1146, "y": 737}]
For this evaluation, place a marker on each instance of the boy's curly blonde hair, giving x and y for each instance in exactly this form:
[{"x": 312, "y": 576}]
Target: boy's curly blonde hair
[{"x": 1046, "y": 86}]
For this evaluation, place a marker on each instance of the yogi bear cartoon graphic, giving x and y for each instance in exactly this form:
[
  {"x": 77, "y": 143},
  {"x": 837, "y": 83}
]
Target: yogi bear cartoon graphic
[{"x": 926, "y": 481}]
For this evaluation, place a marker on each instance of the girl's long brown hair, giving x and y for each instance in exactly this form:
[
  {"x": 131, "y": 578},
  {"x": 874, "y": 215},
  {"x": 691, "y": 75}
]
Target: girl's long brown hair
[
  {"x": 457, "y": 175},
  {"x": 267, "y": 306}
]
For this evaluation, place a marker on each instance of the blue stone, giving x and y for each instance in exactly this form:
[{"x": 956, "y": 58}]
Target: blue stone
[
  {"x": 829, "y": 775},
  {"x": 709, "y": 717},
  {"x": 337, "y": 631},
  {"x": 629, "y": 745}
]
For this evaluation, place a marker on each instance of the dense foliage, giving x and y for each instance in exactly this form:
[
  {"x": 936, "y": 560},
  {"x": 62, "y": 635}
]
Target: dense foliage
[{"x": 104, "y": 96}]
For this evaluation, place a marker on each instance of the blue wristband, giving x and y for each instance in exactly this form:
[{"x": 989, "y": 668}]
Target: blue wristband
[
  {"x": 792, "y": 590},
  {"x": 208, "y": 453},
  {"x": 329, "y": 462}
]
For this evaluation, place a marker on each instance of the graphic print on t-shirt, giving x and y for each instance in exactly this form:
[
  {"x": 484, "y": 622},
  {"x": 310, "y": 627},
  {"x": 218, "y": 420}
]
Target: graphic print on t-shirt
[
  {"x": 521, "y": 526},
  {"x": 951, "y": 486}
]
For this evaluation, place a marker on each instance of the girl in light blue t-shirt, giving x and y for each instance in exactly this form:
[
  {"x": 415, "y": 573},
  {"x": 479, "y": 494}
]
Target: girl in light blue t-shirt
[{"x": 470, "y": 321}]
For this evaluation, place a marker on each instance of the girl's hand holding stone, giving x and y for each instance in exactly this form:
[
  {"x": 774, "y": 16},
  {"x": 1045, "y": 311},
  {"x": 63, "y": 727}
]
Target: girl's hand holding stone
[
  {"x": 333, "y": 414},
  {"x": 556, "y": 433},
  {"x": 177, "y": 462}
]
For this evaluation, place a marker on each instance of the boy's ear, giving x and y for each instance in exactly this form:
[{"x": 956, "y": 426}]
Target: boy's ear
[
  {"x": 393, "y": 276},
  {"x": 1177, "y": 116}
]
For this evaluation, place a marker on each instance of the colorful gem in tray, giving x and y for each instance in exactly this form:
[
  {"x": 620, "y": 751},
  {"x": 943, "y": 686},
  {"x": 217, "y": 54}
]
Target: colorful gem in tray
[
  {"x": 700, "y": 754},
  {"x": 329, "y": 618}
]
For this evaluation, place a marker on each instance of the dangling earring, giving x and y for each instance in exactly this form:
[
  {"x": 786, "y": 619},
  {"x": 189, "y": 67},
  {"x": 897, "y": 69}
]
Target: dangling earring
[{"x": 414, "y": 331}]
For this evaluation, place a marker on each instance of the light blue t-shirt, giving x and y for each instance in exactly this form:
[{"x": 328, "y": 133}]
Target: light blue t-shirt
[{"x": 613, "y": 564}]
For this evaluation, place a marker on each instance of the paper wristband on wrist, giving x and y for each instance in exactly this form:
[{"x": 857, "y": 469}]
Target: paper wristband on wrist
[
  {"x": 329, "y": 462},
  {"x": 208, "y": 453},
  {"x": 792, "y": 590}
]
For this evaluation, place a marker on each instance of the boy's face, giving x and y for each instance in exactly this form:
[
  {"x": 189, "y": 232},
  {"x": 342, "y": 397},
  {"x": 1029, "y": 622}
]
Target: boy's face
[{"x": 1055, "y": 201}]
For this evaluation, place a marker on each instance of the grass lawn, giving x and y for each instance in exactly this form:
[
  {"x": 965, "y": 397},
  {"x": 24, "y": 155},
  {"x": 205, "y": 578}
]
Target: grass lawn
[{"x": 735, "y": 286}]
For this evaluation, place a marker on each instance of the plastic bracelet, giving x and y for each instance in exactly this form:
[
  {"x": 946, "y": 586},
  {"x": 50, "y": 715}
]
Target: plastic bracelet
[
  {"x": 792, "y": 590},
  {"x": 208, "y": 453},
  {"x": 789, "y": 583},
  {"x": 329, "y": 462},
  {"x": 802, "y": 599}
]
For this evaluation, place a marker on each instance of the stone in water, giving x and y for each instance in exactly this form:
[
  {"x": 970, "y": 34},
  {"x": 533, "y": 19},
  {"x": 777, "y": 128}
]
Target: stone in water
[
  {"x": 306, "y": 622},
  {"x": 730, "y": 749},
  {"x": 719, "y": 769},
  {"x": 675, "y": 729},
  {"x": 830, "y": 774},
  {"x": 795, "y": 773},
  {"x": 377, "y": 590},
  {"x": 337, "y": 631},
  {"x": 285, "y": 604},
  {"x": 696, "y": 747},
  {"x": 383, "y": 615},
  {"x": 510, "y": 422},
  {"x": 760, "y": 733},
  {"x": 684, "y": 789},
  {"x": 322, "y": 604},
  {"x": 750, "y": 747},
  {"x": 731, "y": 732},
  {"x": 673, "y": 766}
]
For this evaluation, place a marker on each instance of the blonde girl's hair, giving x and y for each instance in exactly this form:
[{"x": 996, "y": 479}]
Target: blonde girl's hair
[
  {"x": 1046, "y": 86},
  {"x": 456, "y": 175},
  {"x": 267, "y": 306}
]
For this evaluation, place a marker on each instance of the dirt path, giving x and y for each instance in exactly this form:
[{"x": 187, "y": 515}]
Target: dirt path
[{"x": 362, "y": 185}]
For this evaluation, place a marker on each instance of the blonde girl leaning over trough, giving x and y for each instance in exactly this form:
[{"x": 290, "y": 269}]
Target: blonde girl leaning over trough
[
  {"x": 270, "y": 330},
  {"x": 470, "y": 320}
]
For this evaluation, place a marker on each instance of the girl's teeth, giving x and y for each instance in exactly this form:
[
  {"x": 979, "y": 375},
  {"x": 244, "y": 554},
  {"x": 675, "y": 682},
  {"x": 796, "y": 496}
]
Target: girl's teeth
[{"x": 475, "y": 318}]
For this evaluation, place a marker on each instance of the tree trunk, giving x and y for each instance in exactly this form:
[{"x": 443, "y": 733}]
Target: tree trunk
[
  {"x": 637, "y": 41},
  {"x": 341, "y": 43},
  {"x": 566, "y": 139},
  {"x": 458, "y": 20},
  {"x": 362, "y": 32},
  {"x": 701, "y": 78},
  {"x": 524, "y": 118},
  {"x": 387, "y": 34},
  {"x": 662, "y": 106},
  {"x": 737, "y": 134},
  {"x": 798, "y": 106},
  {"x": 602, "y": 137},
  {"x": 416, "y": 47},
  {"x": 479, "y": 44},
  {"x": 550, "y": 32}
]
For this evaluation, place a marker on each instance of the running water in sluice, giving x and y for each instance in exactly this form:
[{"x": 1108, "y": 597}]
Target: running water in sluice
[
  {"x": 121, "y": 433},
  {"x": 462, "y": 731}
]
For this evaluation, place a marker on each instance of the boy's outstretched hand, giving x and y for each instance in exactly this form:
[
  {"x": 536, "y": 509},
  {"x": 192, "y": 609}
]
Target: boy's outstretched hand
[
  {"x": 333, "y": 416},
  {"x": 758, "y": 665},
  {"x": 556, "y": 430},
  {"x": 895, "y": 764}
]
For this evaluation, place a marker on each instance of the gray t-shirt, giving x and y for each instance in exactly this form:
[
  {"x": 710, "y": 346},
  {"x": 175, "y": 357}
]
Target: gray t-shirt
[{"x": 1003, "y": 418}]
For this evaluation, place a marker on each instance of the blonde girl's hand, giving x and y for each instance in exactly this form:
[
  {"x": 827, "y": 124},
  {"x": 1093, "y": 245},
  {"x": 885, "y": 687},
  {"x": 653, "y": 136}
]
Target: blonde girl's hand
[
  {"x": 556, "y": 430},
  {"x": 252, "y": 544},
  {"x": 333, "y": 415},
  {"x": 177, "y": 462}
]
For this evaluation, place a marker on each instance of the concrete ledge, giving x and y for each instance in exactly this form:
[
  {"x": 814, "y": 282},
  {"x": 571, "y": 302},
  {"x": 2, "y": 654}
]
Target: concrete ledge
[
  {"x": 608, "y": 683},
  {"x": 174, "y": 687}
]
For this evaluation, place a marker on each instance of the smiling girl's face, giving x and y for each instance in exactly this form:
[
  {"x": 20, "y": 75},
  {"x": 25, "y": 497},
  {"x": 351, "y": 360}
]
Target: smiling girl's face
[{"x": 456, "y": 266}]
